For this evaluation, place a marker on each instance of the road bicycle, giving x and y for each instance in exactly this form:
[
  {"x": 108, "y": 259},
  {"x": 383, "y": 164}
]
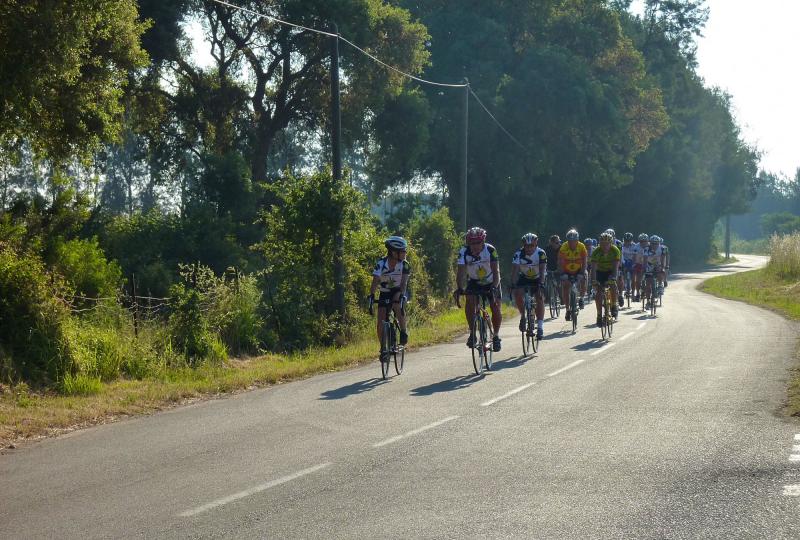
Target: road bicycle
[
  {"x": 650, "y": 300},
  {"x": 573, "y": 301},
  {"x": 390, "y": 347},
  {"x": 553, "y": 295},
  {"x": 530, "y": 342},
  {"x": 481, "y": 333},
  {"x": 627, "y": 278},
  {"x": 606, "y": 314}
]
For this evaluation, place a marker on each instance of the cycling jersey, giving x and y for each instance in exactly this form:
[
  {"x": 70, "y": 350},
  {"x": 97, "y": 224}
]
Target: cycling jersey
[
  {"x": 479, "y": 267},
  {"x": 651, "y": 258},
  {"x": 552, "y": 257},
  {"x": 529, "y": 264},
  {"x": 629, "y": 252},
  {"x": 604, "y": 262},
  {"x": 572, "y": 257},
  {"x": 390, "y": 278}
]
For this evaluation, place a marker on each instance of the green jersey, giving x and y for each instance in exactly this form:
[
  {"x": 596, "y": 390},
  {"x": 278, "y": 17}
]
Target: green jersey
[{"x": 604, "y": 262}]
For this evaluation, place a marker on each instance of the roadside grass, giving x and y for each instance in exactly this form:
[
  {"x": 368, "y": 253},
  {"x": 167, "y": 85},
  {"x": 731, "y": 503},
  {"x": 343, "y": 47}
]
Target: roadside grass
[
  {"x": 775, "y": 287},
  {"x": 719, "y": 258},
  {"x": 27, "y": 414}
]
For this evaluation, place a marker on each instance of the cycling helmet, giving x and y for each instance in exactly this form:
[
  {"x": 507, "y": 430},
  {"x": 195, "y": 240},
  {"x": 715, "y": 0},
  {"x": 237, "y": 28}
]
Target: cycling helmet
[
  {"x": 555, "y": 238},
  {"x": 628, "y": 236},
  {"x": 606, "y": 236},
  {"x": 476, "y": 235},
  {"x": 572, "y": 234},
  {"x": 643, "y": 237},
  {"x": 655, "y": 239},
  {"x": 595, "y": 242},
  {"x": 397, "y": 243},
  {"x": 587, "y": 241},
  {"x": 611, "y": 232},
  {"x": 529, "y": 238}
]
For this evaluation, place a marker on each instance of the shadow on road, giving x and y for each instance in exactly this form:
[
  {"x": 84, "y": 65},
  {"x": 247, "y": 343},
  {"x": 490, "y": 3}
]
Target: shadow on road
[
  {"x": 510, "y": 363},
  {"x": 589, "y": 345},
  {"x": 352, "y": 389},
  {"x": 456, "y": 383},
  {"x": 557, "y": 335}
]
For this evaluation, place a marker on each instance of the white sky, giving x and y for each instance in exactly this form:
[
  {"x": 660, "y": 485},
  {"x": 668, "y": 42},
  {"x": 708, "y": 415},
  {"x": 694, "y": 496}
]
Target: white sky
[{"x": 750, "y": 49}]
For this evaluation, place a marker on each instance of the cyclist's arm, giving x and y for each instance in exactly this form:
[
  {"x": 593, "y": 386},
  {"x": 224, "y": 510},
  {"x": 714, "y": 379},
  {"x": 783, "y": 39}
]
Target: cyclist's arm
[
  {"x": 374, "y": 287},
  {"x": 584, "y": 262},
  {"x": 495, "y": 266},
  {"x": 514, "y": 273},
  {"x": 404, "y": 284},
  {"x": 460, "y": 274}
]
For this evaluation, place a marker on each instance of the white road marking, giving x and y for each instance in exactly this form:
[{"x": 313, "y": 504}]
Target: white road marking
[
  {"x": 565, "y": 368},
  {"x": 626, "y": 336},
  {"x": 414, "y": 432},
  {"x": 797, "y": 437},
  {"x": 796, "y": 448},
  {"x": 794, "y": 457},
  {"x": 641, "y": 325},
  {"x": 603, "y": 348},
  {"x": 508, "y": 394},
  {"x": 252, "y": 491},
  {"x": 792, "y": 490}
]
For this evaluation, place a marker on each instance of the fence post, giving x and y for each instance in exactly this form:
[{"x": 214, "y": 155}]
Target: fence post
[{"x": 135, "y": 307}]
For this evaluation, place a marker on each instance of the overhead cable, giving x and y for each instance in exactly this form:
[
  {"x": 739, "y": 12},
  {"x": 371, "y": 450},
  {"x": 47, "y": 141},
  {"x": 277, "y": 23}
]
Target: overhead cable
[{"x": 496, "y": 121}]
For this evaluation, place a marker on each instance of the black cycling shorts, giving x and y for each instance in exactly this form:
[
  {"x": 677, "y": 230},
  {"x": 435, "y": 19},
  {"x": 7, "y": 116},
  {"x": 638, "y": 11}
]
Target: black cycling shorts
[
  {"x": 387, "y": 297},
  {"x": 603, "y": 277},
  {"x": 523, "y": 282}
]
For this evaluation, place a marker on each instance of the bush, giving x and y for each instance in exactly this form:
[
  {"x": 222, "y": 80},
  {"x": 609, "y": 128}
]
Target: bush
[
  {"x": 190, "y": 328},
  {"x": 32, "y": 319},
  {"x": 299, "y": 247},
  {"x": 434, "y": 237},
  {"x": 83, "y": 264},
  {"x": 80, "y": 384}
]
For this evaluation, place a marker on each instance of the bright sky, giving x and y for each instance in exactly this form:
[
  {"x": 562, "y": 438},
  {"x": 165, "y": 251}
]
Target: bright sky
[{"x": 750, "y": 49}]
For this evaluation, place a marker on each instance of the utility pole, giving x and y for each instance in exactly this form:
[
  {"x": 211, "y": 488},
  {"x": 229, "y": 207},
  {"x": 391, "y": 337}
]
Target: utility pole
[
  {"x": 727, "y": 236},
  {"x": 464, "y": 151},
  {"x": 336, "y": 144}
]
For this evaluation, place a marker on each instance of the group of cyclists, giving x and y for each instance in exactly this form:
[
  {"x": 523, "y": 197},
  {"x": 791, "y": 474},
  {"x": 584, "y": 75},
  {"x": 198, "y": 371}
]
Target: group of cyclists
[{"x": 620, "y": 264}]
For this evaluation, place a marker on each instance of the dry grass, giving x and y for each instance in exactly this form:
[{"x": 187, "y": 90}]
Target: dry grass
[
  {"x": 25, "y": 414},
  {"x": 784, "y": 260}
]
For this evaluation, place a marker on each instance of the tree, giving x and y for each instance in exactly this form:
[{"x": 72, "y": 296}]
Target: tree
[{"x": 65, "y": 65}]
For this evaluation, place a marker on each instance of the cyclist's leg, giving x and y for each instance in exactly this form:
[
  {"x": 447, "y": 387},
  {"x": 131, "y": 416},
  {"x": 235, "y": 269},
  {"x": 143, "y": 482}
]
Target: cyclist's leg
[
  {"x": 518, "y": 297},
  {"x": 497, "y": 315},
  {"x": 565, "y": 286},
  {"x": 400, "y": 315},
  {"x": 381, "y": 318},
  {"x": 539, "y": 293}
]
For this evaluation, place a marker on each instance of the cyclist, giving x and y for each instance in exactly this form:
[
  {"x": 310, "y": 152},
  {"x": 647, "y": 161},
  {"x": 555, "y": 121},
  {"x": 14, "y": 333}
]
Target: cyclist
[
  {"x": 572, "y": 263},
  {"x": 527, "y": 269},
  {"x": 605, "y": 265},
  {"x": 655, "y": 244},
  {"x": 589, "y": 243},
  {"x": 652, "y": 261},
  {"x": 391, "y": 275},
  {"x": 479, "y": 265},
  {"x": 665, "y": 249},
  {"x": 638, "y": 263},
  {"x": 551, "y": 250},
  {"x": 620, "y": 285},
  {"x": 628, "y": 256}
]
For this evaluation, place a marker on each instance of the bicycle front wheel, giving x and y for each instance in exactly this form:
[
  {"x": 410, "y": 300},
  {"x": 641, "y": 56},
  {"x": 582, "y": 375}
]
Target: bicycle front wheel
[
  {"x": 488, "y": 343},
  {"x": 477, "y": 346},
  {"x": 386, "y": 349},
  {"x": 573, "y": 306},
  {"x": 530, "y": 335}
]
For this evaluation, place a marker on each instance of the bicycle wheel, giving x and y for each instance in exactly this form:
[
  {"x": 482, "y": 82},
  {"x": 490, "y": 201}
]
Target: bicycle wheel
[
  {"x": 552, "y": 302},
  {"x": 604, "y": 316},
  {"x": 530, "y": 333},
  {"x": 399, "y": 354},
  {"x": 524, "y": 342},
  {"x": 488, "y": 343},
  {"x": 573, "y": 306},
  {"x": 477, "y": 345},
  {"x": 609, "y": 319},
  {"x": 386, "y": 349}
]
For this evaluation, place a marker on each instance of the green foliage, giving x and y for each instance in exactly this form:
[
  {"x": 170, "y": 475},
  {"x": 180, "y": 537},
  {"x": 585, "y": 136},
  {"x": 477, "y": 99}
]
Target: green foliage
[
  {"x": 84, "y": 266},
  {"x": 32, "y": 318},
  {"x": 298, "y": 249},
  {"x": 64, "y": 65},
  {"x": 784, "y": 256},
  {"x": 434, "y": 237},
  {"x": 780, "y": 223},
  {"x": 191, "y": 330},
  {"x": 80, "y": 384}
]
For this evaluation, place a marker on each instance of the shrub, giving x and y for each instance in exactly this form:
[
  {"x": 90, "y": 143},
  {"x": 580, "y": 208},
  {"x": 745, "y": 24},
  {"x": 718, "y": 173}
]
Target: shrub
[
  {"x": 80, "y": 384},
  {"x": 83, "y": 264},
  {"x": 434, "y": 237},
  {"x": 190, "y": 328},
  {"x": 32, "y": 319}
]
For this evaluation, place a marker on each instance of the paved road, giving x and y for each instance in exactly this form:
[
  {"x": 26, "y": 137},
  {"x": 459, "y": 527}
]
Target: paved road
[{"x": 671, "y": 432}]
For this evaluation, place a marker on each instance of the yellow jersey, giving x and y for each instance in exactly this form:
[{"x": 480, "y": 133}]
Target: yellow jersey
[{"x": 572, "y": 258}]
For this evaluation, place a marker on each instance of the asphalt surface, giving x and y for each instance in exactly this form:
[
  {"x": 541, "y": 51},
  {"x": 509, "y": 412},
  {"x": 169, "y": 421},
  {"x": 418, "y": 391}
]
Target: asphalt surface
[{"x": 671, "y": 432}]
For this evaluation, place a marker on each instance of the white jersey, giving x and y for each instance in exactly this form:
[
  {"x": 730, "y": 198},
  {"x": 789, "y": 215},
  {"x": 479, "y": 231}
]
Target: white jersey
[
  {"x": 629, "y": 252},
  {"x": 479, "y": 267},
  {"x": 529, "y": 264},
  {"x": 652, "y": 258},
  {"x": 390, "y": 278}
]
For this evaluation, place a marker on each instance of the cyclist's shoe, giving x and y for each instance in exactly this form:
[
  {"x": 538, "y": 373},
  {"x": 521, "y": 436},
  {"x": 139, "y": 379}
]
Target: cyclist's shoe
[
  {"x": 471, "y": 341},
  {"x": 496, "y": 343},
  {"x": 614, "y": 311},
  {"x": 522, "y": 324},
  {"x": 580, "y": 303},
  {"x": 403, "y": 337},
  {"x": 568, "y": 316},
  {"x": 599, "y": 320},
  {"x": 539, "y": 333},
  {"x": 635, "y": 297}
]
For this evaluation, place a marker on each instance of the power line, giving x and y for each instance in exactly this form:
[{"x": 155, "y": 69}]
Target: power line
[
  {"x": 496, "y": 121},
  {"x": 275, "y": 19}
]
